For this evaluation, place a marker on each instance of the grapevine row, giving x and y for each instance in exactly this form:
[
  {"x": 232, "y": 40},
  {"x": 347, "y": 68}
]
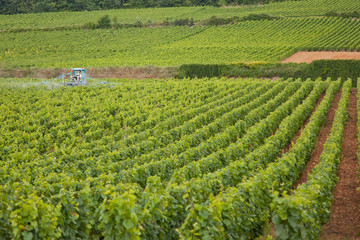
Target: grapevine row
[
  {"x": 164, "y": 137},
  {"x": 218, "y": 129},
  {"x": 166, "y": 166},
  {"x": 248, "y": 204},
  {"x": 302, "y": 214},
  {"x": 175, "y": 199}
]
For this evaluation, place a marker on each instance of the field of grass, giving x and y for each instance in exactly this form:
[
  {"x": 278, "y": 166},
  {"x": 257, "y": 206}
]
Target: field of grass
[{"x": 264, "y": 40}]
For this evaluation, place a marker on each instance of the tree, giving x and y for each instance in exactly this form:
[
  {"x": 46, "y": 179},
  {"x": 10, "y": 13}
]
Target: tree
[
  {"x": 81, "y": 5},
  {"x": 44, "y": 6},
  {"x": 14, "y": 6},
  {"x": 110, "y": 4}
]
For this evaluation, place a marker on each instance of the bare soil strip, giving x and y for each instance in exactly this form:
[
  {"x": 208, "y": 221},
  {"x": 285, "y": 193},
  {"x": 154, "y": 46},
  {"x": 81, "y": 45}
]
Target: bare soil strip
[
  {"x": 308, "y": 57},
  {"x": 345, "y": 213},
  {"x": 324, "y": 133}
]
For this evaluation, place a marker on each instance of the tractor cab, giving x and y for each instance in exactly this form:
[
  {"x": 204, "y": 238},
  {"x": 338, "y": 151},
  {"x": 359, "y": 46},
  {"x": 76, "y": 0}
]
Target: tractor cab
[{"x": 77, "y": 77}]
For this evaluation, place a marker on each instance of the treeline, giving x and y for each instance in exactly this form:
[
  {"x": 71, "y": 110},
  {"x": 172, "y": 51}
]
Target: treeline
[{"x": 31, "y": 6}]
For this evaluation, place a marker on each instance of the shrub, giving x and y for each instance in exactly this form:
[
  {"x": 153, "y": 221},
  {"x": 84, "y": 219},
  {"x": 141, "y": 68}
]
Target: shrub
[
  {"x": 353, "y": 14},
  {"x": 334, "y": 69},
  {"x": 90, "y": 25},
  {"x": 184, "y": 22},
  {"x": 257, "y": 17},
  {"x": 203, "y": 70},
  {"x": 104, "y": 22}
]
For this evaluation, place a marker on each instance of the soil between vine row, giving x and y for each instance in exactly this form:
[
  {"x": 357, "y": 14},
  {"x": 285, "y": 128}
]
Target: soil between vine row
[
  {"x": 315, "y": 155},
  {"x": 322, "y": 136},
  {"x": 271, "y": 228},
  {"x": 345, "y": 213}
]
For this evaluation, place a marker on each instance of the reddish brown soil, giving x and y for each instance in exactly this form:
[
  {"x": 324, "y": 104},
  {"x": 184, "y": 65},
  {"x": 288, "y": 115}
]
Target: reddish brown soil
[
  {"x": 324, "y": 133},
  {"x": 345, "y": 213},
  {"x": 308, "y": 57}
]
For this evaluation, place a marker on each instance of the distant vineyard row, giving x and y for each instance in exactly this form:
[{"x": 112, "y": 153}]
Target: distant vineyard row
[
  {"x": 157, "y": 15},
  {"x": 167, "y": 159},
  {"x": 263, "y": 40}
]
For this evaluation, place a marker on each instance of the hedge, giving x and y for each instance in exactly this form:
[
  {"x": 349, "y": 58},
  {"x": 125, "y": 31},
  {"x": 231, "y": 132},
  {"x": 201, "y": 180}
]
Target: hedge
[{"x": 320, "y": 68}]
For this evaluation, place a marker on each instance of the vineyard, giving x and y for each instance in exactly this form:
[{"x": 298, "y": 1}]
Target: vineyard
[
  {"x": 180, "y": 158},
  {"x": 269, "y": 41},
  {"x": 51, "y": 40},
  {"x": 167, "y": 159}
]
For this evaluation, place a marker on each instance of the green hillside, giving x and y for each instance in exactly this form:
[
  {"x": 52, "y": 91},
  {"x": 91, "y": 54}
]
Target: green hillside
[
  {"x": 52, "y": 40},
  {"x": 264, "y": 40}
]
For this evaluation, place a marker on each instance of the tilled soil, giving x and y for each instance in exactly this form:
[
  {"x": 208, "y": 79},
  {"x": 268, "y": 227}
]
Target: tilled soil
[
  {"x": 308, "y": 57},
  {"x": 345, "y": 213},
  {"x": 324, "y": 133}
]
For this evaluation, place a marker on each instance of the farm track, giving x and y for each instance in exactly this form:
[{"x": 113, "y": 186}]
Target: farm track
[
  {"x": 324, "y": 133},
  {"x": 345, "y": 213}
]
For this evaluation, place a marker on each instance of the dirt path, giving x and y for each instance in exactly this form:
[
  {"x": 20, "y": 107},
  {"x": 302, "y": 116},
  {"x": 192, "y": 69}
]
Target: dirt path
[
  {"x": 345, "y": 213},
  {"x": 308, "y": 57},
  {"x": 324, "y": 133}
]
